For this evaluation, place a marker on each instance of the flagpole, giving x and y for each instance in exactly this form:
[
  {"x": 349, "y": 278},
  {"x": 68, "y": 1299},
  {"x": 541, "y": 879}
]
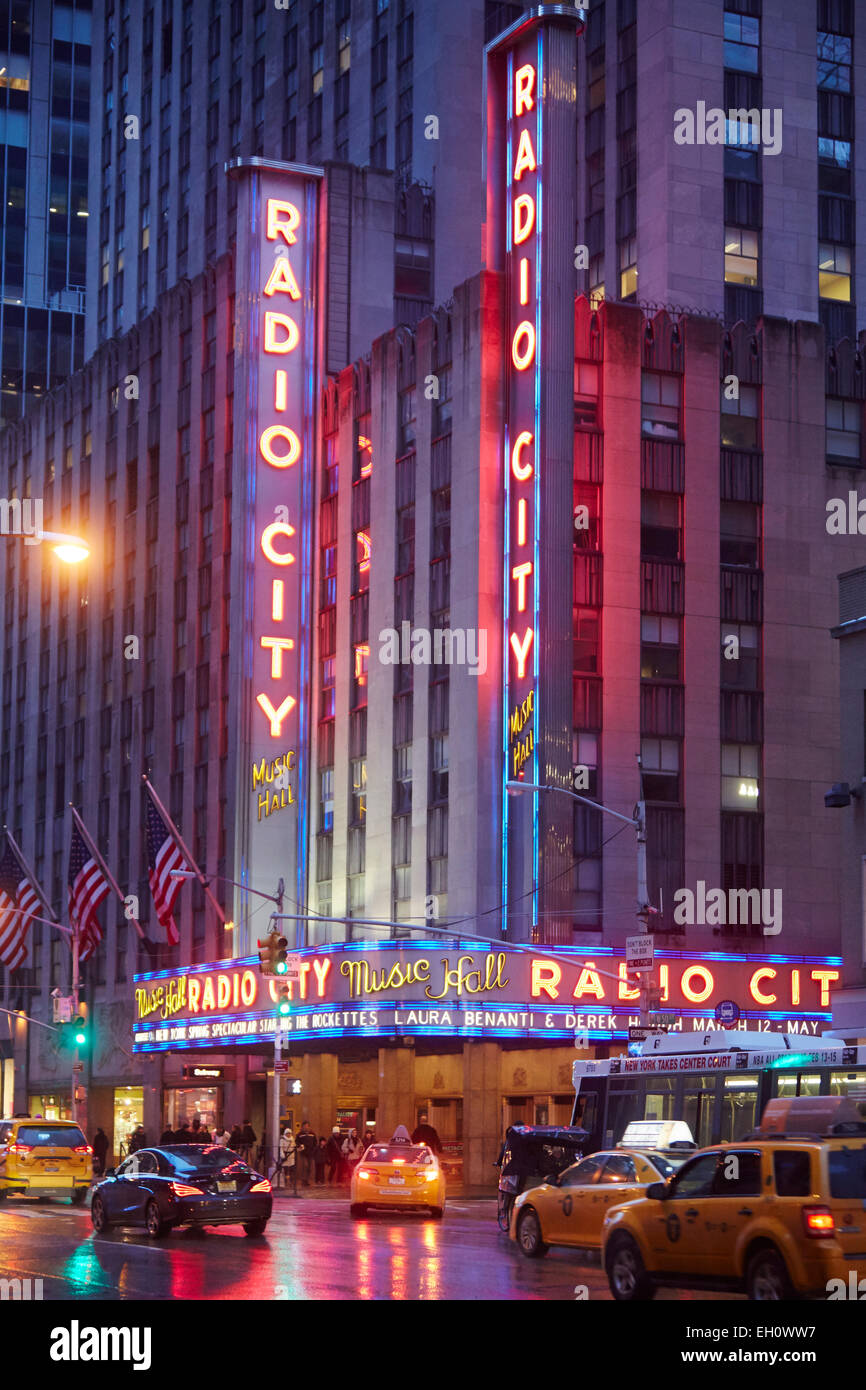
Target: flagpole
[
  {"x": 26, "y": 869},
  {"x": 178, "y": 839},
  {"x": 103, "y": 866}
]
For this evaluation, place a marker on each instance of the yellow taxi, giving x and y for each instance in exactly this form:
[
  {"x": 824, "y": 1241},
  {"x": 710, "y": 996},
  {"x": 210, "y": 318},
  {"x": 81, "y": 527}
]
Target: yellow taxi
[
  {"x": 569, "y": 1209},
  {"x": 400, "y": 1174},
  {"x": 780, "y": 1215},
  {"x": 44, "y": 1158}
]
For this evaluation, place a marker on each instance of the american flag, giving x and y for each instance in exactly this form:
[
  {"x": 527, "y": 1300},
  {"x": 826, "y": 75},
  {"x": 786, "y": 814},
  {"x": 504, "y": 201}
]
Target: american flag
[
  {"x": 18, "y": 904},
  {"x": 163, "y": 855},
  {"x": 87, "y": 887}
]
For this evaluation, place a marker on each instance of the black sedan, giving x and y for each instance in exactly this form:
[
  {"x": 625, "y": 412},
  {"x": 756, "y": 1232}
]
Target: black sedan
[{"x": 182, "y": 1185}]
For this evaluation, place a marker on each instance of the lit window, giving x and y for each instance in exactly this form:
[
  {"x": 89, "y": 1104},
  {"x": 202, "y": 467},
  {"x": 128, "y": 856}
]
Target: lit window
[
  {"x": 834, "y": 62},
  {"x": 317, "y": 65},
  {"x": 834, "y": 272},
  {"x": 359, "y": 790},
  {"x": 742, "y": 37},
  {"x": 344, "y": 48},
  {"x": 740, "y": 771},
  {"x": 660, "y": 405},
  {"x": 739, "y": 418},
  {"x": 362, "y": 560},
  {"x": 844, "y": 426},
  {"x": 741, "y": 256},
  {"x": 596, "y": 281},
  {"x": 628, "y": 267}
]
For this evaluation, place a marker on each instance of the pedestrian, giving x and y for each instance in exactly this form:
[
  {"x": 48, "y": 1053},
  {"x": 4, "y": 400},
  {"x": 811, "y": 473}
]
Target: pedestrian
[
  {"x": 424, "y": 1133},
  {"x": 306, "y": 1143},
  {"x": 287, "y": 1161},
  {"x": 184, "y": 1134},
  {"x": 352, "y": 1150},
  {"x": 137, "y": 1139},
  {"x": 167, "y": 1136},
  {"x": 248, "y": 1138},
  {"x": 320, "y": 1160},
  {"x": 221, "y": 1136},
  {"x": 100, "y": 1149},
  {"x": 199, "y": 1132},
  {"x": 236, "y": 1139},
  {"x": 334, "y": 1151}
]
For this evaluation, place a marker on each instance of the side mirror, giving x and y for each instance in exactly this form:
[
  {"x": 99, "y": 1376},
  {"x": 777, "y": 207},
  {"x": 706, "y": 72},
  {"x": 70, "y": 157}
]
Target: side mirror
[
  {"x": 658, "y": 1192},
  {"x": 552, "y": 1180},
  {"x": 109, "y": 1172}
]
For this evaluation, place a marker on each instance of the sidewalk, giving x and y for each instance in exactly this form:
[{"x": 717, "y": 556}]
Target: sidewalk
[{"x": 340, "y": 1193}]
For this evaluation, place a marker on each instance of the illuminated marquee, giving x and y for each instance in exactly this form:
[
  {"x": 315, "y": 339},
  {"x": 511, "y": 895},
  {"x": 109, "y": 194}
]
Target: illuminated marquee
[{"x": 455, "y": 989}]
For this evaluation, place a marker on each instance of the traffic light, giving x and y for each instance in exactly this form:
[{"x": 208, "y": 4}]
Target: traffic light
[
  {"x": 283, "y": 1004},
  {"x": 80, "y": 1026},
  {"x": 280, "y": 952},
  {"x": 268, "y": 953}
]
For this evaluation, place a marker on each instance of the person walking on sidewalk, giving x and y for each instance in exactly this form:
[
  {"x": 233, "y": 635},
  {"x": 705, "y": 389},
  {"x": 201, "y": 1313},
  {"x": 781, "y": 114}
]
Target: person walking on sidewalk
[
  {"x": 320, "y": 1159},
  {"x": 352, "y": 1150},
  {"x": 100, "y": 1149},
  {"x": 335, "y": 1156},
  {"x": 287, "y": 1164}
]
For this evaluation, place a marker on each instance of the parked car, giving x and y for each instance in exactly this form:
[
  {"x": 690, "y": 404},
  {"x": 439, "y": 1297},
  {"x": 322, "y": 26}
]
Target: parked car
[{"x": 182, "y": 1185}]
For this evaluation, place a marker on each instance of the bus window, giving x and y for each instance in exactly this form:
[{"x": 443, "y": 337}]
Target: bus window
[
  {"x": 659, "y": 1102},
  {"x": 698, "y": 1106},
  {"x": 848, "y": 1083},
  {"x": 739, "y": 1106}
]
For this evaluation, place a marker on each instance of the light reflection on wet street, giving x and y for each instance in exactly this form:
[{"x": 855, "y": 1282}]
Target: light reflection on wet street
[{"x": 312, "y": 1250}]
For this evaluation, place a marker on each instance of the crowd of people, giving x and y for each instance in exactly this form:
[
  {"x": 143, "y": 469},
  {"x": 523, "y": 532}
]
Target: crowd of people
[{"x": 305, "y": 1159}]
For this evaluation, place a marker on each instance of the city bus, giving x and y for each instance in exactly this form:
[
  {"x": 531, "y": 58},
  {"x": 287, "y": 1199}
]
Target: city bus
[{"x": 718, "y": 1083}]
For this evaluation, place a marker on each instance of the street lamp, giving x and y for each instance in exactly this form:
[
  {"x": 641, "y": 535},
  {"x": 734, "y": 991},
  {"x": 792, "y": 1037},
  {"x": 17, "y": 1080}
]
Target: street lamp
[{"x": 70, "y": 549}]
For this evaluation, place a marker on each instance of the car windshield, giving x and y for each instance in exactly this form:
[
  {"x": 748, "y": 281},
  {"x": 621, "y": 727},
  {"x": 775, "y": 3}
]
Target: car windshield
[
  {"x": 848, "y": 1173},
  {"x": 667, "y": 1164},
  {"x": 208, "y": 1158},
  {"x": 51, "y": 1136},
  {"x": 408, "y": 1153}
]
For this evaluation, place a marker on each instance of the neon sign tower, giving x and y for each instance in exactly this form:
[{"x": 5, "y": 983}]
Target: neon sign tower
[
  {"x": 531, "y": 175},
  {"x": 276, "y": 373}
]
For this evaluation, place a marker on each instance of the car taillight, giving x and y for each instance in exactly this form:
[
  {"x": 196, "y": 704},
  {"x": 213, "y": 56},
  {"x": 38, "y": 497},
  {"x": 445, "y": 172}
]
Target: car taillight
[
  {"x": 364, "y": 1173},
  {"x": 83, "y": 1149},
  {"x": 818, "y": 1221},
  {"x": 431, "y": 1177},
  {"x": 182, "y": 1189},
  {"x": 20, "y": 1148},
  {"x": 398, "y": 1161},
  {"x": 263, "y": 1186}
]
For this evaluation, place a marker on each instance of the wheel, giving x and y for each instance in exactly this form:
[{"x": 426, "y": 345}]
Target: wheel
[
  {"x": 529, "y": 1235},
  {"x": 437, "y": 1213},
  {"x": 503, "y": 1210},
  {"x": 255, "y": 1228},
  {"x": 626, "y": 1272},
  {"x": 357, "y": 1211},
  {"x": 78, "y": 1196},
  {"x": 156, "y": 1227},
  {"x": 99, "y": 1216},
  {"x": 767, "y": 1279}
]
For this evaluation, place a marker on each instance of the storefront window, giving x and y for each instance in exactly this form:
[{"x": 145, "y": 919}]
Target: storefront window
[
  {"x": 128, "y": 1112},
  {"x": 49, "y": 1107},
  {"x": 185, "y": 1103}
]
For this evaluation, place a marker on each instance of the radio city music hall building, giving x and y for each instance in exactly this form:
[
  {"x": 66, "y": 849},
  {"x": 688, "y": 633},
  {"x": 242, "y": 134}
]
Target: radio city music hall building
[{"x": 567, "y": 490}]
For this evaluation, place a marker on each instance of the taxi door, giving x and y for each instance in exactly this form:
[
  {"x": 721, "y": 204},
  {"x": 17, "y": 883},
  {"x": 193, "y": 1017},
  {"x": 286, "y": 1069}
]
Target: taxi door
[
  {"x": 619, "y": 1182},
  {"x": 572, "y": 1207},
  {"x": 739, "y": 1190},
  {"x": 674, "y": 1227}
]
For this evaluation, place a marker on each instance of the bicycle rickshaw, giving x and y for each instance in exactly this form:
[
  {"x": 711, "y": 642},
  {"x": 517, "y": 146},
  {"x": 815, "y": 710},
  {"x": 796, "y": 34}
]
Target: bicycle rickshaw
[{"x": 531, "y": 1153}]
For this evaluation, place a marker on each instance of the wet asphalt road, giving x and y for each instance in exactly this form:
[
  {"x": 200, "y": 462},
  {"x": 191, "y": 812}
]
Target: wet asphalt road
[{"x": 311, "y": 1250}]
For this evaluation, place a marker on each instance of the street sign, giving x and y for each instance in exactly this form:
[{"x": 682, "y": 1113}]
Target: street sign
[
  {"x": 293, "y": 968},
  {"x": 62, "y": 1008},
  {"x": 641, "y": 1034},
  {"x": 727, "y": 1011},
  {"x": 639, "y": 953},
  {"x": 281, "y": 1066}
]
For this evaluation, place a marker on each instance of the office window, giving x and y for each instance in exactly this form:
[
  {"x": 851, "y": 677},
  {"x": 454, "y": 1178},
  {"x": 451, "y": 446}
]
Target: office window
[
  {"x": 742, "y": 37},
  {"x": 358, "y": 789},
  {"x": 739, "y": 418},
  {"x": 844, "y": 427},
  {"x": 739, "y": 535},
  {"x": 360, "y": 671},
  {"x": 660, "y": 405},
  {"x": 834, "y": 271},
  {"x": 587, "y": 517},
  {"x": 741, "y": 150},
  {"x": 660, "y": 766},
  {"x": 584, "y": 753},
  {"x": 403, "y": 780},
  {"x": 834, "y": 62},
  {"x": 406, "y": 421},
  {"x": 317, "y": 68},
  {"x": 586, "y": 393},
  {"x": 595, "y": 80},
  {"x": 328, "y": 696},
  {"x": 438, "y": 769},
  {"x": 595, "y": 280},
  {"x": 834, "y": 166},
  {"x": 740, "y": 656},
  {"x": 442, "y": 406},
  {"x": 361, "y": 568},
  {"x": 595, "y": 182},
  {"x": 660, "y": 526},
  {"x": 659, "y": 648},
  {"x": 363, "y": 449},
  {"x": 326, "y": 799},
  {"x": 586, "y": 640},
  {"x": 741, "y": 764},
  {"x": 628, "y": 267},
  {"x": 741, "y": 256},
  {"x": 412, "y": 268}
]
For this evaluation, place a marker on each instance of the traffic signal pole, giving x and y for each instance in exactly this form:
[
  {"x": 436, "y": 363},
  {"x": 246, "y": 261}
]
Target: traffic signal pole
[{"x": 76, "y": 985}]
